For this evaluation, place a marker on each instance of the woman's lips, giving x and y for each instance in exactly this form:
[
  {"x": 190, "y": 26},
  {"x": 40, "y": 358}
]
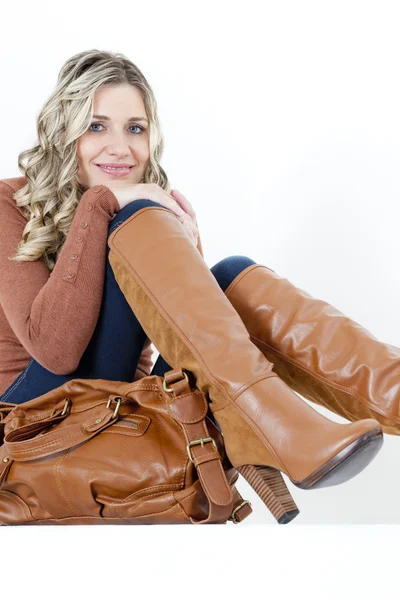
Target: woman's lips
[{"x": 115, "y": 172}]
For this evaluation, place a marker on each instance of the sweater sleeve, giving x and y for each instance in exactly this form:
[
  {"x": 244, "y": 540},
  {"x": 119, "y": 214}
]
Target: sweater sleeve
[{"x": 54, "y": 314}]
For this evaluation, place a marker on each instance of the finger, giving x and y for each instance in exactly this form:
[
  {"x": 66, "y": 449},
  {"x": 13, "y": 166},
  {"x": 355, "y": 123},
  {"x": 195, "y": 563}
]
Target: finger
[
  {"x": 188, "y": 225},
  {"x": 183, "y": 203},
  {"x": 174, "y": 206}
]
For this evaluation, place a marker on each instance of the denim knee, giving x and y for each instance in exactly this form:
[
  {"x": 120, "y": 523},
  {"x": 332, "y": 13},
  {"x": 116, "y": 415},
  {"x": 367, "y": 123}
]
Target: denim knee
[
  {"x": 128, "y": 211},
  {"x": 228, "y": 268}
]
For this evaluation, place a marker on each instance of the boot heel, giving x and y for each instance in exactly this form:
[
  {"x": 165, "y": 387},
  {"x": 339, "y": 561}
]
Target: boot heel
[{"x": 271, "y": 487}]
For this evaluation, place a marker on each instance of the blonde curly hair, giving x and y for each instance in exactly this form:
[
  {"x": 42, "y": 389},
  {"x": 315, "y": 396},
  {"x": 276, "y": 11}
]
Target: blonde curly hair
[{"x": 52, "y": 192}]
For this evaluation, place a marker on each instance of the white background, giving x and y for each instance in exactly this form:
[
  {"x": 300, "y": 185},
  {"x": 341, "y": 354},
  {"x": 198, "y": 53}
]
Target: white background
[{"x": 281, "y": 125}]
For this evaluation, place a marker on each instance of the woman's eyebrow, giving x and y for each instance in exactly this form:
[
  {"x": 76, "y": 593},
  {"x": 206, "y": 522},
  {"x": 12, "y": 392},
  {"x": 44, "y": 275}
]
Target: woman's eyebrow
[{"x": 105, "y": 118}]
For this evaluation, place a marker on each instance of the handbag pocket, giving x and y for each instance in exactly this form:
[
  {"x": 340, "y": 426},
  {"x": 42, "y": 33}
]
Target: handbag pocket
[
  {"x": 131, "y": 424},
  {"x": 154, "y": 506}
]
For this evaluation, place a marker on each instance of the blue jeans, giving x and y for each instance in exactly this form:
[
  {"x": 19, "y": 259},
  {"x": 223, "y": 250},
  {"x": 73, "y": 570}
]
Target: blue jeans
[{"x": 118, "y": 339}]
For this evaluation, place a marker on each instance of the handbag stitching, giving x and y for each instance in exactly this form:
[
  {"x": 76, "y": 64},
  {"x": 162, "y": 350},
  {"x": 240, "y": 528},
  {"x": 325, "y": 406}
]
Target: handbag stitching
[
  {"x": 49, "y": 444},
  {"x": 115, "y": 507},
  {"x": 177, "y": 505},
  {"x": 168, "y": 487},
  {"x": 152, "y": 487},
  {"x": 57, "y": 473}
]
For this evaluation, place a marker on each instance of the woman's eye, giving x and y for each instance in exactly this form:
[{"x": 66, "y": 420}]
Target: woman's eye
[
  {"x": 100, "y": 125},
  {"x": 93, "y": 125}
]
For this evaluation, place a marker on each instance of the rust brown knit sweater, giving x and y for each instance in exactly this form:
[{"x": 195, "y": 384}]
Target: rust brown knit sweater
[{"x": 51, "y": 316}]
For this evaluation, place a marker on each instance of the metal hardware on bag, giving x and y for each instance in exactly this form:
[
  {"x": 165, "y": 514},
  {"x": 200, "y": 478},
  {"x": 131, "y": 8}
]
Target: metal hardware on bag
[
  {"x": 167, "y": 389},
  {"x": 117, "y": 407},
  {"x": 197, "y": 442},
  {"x": 64, "y": 410},
  {"x": 233, "y": 515}
]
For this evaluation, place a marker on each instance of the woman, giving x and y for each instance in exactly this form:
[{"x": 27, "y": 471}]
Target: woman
[{"x": 105, "y": 260}]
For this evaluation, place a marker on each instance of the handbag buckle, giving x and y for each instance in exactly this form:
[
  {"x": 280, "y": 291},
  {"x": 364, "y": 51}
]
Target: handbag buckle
[
  {"x": 115, "y": 413},
  {"x": 169, "y": 389},
  {"x": 64, "y": 410},
  {"x": 196, "y": 443},
  {"x": 233, "y": 515}
]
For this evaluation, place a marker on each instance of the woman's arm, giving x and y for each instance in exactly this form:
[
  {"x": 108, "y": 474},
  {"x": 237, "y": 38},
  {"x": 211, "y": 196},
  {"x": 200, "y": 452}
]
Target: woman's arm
[{"x": 54, "y": 315}]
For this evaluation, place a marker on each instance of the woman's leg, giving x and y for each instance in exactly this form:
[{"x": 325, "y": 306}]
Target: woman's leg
[
  {"x": 267, "y": 428},
  {"x": 114, "y": 349},
  {"x": 318, "y": 351}
]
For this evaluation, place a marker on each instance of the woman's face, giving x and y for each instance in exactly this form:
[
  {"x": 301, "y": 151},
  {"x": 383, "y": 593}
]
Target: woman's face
[{"x": 118, "y": 134}]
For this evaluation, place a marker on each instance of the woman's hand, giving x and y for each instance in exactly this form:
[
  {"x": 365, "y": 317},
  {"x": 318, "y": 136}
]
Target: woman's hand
[
  {"x": 187, "y": 207},
  {"x": 184, "y": 204},
  {"x": 126, "y": 193}
]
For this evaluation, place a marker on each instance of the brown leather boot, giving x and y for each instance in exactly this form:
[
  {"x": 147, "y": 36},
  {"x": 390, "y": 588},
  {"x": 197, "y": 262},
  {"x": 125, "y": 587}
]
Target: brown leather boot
[
  {"x": 267, "y": 428},
  {"x": 318, "y": 351}
]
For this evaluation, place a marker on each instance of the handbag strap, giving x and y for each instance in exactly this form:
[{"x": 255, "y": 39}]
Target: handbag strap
[
  {"x": 189, "y": 408},
  {"x": 21, "y": 446}
]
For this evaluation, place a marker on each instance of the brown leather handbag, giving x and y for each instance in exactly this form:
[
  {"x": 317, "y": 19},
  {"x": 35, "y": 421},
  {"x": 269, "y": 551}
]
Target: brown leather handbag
[{"x": 94, "y": 451}]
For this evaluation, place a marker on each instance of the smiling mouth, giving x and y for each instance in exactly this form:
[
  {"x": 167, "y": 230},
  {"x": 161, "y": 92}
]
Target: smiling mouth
[
  {"x": 125, "y": 168},
  {"x": 116, "y": 172}
]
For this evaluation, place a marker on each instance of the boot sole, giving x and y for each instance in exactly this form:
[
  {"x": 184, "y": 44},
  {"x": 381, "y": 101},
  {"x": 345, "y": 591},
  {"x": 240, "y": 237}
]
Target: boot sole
[{"x": 346, "y": 464}]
